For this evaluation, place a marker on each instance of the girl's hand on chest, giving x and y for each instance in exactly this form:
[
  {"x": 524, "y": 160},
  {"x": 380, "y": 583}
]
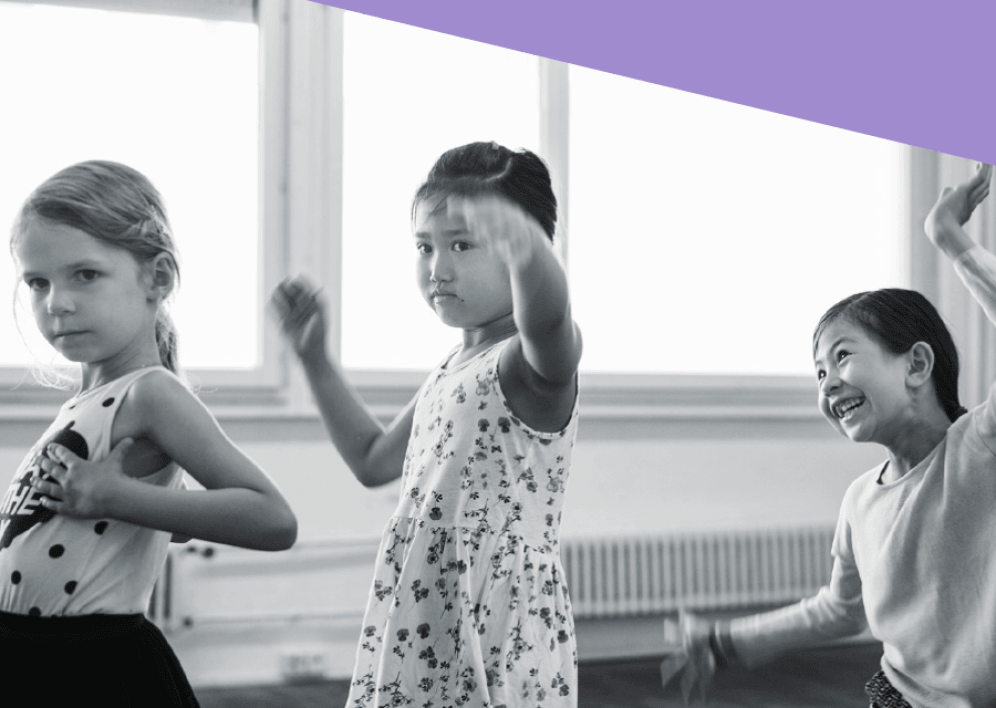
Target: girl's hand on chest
[{"x": 76, "y": 487}]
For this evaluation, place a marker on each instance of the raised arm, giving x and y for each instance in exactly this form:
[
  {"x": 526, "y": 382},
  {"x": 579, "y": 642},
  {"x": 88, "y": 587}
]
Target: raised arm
[
  {"x": 374, "y": 453},
  {"x": 944, "y": 228},
  {"x": 538, "y": 369},
  {"x": 551, "y": 341}
]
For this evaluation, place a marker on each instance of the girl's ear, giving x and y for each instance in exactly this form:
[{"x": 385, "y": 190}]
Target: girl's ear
[
  {"x": 920, "y": 358},
  {"x": 162, "y": 276}
]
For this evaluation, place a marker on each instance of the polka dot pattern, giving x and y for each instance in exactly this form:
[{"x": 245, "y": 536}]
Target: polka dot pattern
[{"x": 48, "y": 571}]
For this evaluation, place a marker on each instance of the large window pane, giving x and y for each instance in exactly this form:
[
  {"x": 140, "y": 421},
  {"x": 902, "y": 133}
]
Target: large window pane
[
  {"x": 706, "y": 237},
  {"x": 410, "y": 95},
  {"x": 177, "y": 99}
]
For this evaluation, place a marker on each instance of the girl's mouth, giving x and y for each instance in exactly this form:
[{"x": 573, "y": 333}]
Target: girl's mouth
[{"x": 845, "y": 409}]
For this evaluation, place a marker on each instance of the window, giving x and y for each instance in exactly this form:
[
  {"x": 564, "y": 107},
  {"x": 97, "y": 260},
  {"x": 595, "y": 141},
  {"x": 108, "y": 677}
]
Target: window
[
  {"x": 704, "y": 237},
  {"x": 325, "y": 122},
  {"x": 94, "y": 83},
  {"x": 409, "y": 96},
  {"x": 708, "y": 237}
]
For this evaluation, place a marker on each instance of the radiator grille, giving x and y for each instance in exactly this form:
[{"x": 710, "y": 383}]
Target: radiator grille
[
  {"x": 612, "y": 577},
  {"x": 606, "y": 577}
]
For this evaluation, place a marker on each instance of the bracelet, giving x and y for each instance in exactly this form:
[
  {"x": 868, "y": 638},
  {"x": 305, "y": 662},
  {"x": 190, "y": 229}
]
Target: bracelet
[{"x": 721, "y": 644}]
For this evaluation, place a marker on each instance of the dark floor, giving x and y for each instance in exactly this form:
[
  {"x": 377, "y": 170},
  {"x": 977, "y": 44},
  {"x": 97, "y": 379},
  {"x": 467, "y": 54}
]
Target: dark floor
[{"x": 823, "y": 678}]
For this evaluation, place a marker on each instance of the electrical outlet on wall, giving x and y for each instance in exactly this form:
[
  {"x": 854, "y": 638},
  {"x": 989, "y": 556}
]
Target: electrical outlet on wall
[{"x": 304, "y": 664}]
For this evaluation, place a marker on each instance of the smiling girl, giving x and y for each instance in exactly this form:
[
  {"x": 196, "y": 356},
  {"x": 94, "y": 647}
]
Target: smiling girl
[
  {"x": 913, "y": 550},
  {"x": 468, "y": 604}
]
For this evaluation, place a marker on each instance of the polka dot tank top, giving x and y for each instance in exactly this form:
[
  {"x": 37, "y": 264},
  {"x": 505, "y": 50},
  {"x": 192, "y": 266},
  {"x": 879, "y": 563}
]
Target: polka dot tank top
[{"x": 55, "y": 565}]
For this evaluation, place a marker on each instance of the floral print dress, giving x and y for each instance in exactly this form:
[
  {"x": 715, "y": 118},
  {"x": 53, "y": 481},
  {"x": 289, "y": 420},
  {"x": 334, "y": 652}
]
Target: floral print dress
[{"x": 468, "y": 605}]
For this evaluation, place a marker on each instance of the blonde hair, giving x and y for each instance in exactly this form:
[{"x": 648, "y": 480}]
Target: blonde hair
[{"x": 117, "y": 205}]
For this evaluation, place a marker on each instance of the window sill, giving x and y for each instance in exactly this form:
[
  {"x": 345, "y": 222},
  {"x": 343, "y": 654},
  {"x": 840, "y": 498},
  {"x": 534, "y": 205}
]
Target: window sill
[{"x": 612, "y": 405}]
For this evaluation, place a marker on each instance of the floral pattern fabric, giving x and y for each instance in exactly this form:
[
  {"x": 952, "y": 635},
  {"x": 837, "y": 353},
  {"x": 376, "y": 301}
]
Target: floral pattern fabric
[{"x": 468, "y": 605}]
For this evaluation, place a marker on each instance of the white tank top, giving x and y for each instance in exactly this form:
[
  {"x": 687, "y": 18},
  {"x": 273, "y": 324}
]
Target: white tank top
[{"x": 51, "y": 564}]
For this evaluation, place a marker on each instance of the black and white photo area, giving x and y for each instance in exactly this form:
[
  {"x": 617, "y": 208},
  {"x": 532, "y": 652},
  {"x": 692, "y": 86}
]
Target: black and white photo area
[{"x": 702, "y": 239}]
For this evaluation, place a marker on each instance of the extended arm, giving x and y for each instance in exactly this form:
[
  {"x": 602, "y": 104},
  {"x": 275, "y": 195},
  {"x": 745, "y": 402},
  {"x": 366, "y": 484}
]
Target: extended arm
[
  {"x": 945, "y": 229},
  {"x": 550, "y": 340},
  {"x": 809, "y": 623},
  {"x": 698, "y": 648},
  {"x": 374, "y": 453}
]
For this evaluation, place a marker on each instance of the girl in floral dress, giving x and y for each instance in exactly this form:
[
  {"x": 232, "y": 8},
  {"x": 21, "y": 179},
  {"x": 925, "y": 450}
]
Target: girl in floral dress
[{"x": 468, "y": 605}]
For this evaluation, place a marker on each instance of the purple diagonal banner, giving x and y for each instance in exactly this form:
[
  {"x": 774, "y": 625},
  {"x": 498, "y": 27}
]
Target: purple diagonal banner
[{"x": 921, "y": 73}]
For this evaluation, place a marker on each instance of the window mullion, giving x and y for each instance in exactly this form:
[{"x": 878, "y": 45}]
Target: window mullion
[
  {"x": 314, "y": 184},
  {"x": 554, "y": 144}
]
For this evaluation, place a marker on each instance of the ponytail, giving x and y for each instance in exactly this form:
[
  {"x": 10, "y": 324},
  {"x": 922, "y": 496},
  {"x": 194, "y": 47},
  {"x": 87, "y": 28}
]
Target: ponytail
[{"x": 119, "y": 206}]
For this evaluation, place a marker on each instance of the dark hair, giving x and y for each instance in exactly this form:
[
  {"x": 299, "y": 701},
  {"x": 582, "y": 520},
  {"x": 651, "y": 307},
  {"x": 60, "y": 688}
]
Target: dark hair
[
  {"x": 490, "y": 168},
  {"x": 898, "y": 319},
  {"x": 119, "y": 206}
]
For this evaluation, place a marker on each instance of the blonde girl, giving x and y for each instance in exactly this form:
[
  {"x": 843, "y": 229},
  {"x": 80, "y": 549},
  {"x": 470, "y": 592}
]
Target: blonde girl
[{"x": 88, "y": 516}]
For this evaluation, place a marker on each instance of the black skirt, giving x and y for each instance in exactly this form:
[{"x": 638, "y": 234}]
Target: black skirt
[
  {"x": 114, "y": 661},
  {"x": 882, "y": 693}
]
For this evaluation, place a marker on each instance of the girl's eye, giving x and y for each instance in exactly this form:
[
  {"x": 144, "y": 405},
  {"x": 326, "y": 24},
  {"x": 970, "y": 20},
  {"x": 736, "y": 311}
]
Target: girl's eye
[
  {"x": 87, "y": 275},
  {"x": 460, "y": 246},
  {"x": 841, "y": 354},
  {"x": 423, "y": 248},
  {"x": 820, "y": 375},
  {"x": 37, "y": 284}
]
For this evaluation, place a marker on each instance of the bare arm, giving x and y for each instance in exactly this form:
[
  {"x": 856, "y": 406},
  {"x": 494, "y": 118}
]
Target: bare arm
[
  {"x": 551, "y": 341},
  {"x": 374, "y": 453},
  {"x": 538, "y": 369},
  {"x": 240, "y": 505}
]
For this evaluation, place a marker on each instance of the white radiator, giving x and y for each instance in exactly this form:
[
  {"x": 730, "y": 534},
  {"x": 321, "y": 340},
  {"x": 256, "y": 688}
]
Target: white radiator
[
  {"x": 606, "y": 577},
  {"x": 642, "y": 575}
]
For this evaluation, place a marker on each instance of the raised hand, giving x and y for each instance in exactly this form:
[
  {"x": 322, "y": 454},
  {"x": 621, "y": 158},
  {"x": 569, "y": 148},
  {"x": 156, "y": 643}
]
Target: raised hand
[
  {"x": 953, "y": 208},
  {"x": 502, "y": 226},
  {"x": 301, "y": 312},
  {"x": 78, "y": 488}
]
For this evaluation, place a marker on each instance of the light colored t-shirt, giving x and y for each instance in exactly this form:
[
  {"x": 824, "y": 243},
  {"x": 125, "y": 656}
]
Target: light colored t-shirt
[
  {"x": 915, "y": 558},
  {"x": 52, "y": 564}
]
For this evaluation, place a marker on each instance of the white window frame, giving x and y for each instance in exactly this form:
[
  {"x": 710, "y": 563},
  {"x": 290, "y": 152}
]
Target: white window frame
[
  {"x": 301, "y": 167},
  {"x": 21, "y": 395}
]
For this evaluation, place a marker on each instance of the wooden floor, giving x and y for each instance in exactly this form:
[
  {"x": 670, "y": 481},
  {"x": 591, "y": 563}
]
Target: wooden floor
[{"x": 824, "y": 678}]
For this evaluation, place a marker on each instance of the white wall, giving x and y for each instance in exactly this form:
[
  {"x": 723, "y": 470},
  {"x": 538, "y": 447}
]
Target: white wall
[{"x": 616, "y": 486}]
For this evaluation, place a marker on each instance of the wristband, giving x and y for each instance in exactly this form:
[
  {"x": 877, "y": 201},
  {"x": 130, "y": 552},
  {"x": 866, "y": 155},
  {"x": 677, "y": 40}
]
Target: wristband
[{"x": 721, "y": 644}]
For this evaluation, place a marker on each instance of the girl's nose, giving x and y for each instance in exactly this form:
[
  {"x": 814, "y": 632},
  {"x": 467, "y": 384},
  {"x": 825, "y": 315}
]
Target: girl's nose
[
  {"x": 440, "y": 268},
  {"x": 830, "y": 382},
  {"x": 59, "y": 302}
]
